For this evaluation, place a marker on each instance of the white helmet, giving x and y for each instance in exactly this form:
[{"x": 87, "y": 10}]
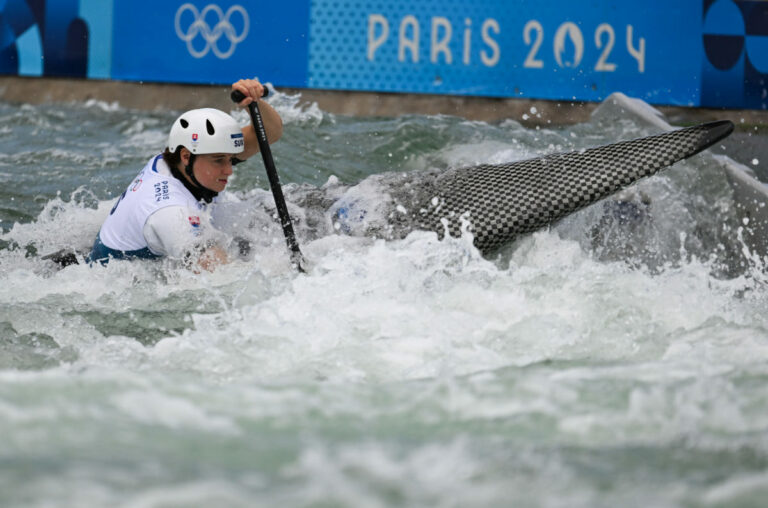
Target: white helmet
[{"x": 206, "y": 130}]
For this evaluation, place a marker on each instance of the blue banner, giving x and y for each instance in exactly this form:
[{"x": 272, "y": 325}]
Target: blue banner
[
  {"x": 551, "y": 50},
  {"x": 210, "y": 42},
  {"x": 735, "y": 40},
  {"x": 685, "y": 52}
]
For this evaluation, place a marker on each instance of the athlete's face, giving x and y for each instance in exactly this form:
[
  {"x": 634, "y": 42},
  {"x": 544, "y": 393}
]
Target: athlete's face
[{"x": 213, "y": 170}]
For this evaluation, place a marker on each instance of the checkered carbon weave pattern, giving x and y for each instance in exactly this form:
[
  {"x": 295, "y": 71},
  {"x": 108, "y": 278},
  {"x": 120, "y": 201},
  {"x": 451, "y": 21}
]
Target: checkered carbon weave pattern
[{"x": 499, "y": 202}]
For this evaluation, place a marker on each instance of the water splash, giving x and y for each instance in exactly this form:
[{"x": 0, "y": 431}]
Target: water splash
[{"x": 413, "y": 371}]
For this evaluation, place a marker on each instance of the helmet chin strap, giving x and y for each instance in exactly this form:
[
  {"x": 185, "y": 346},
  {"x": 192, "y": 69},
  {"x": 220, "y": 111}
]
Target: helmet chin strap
[
  {"x": 189, "y": 169},
  {"x": 197, "y": 189}
]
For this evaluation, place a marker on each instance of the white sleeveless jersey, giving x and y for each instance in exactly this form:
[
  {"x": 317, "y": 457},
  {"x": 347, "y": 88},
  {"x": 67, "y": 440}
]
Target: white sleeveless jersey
[{"x": 156, "y": 214}]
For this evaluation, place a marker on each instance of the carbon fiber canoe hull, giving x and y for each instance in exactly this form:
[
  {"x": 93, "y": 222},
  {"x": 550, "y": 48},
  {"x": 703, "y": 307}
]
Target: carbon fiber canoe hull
[{"x": 497, "y": 203}]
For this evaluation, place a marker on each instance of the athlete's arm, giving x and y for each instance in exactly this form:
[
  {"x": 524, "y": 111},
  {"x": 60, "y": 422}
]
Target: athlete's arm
[
  {"x": 178, "y": 232},
  {"x": 273, "y": 124}
]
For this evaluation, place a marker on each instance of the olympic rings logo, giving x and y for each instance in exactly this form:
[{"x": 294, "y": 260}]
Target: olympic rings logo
[{"x": 211, "y": 36}]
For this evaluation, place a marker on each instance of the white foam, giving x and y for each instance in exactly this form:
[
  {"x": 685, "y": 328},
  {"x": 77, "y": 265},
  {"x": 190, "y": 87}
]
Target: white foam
[
  {"x": 734, "y": 491},
  {"x": 412, "y": 369},
  {"x": 619, "y": 105},
  {"x": 107, "y": 107},
  {"x": 291, "y": 108},
  {"x": 151, "y": 407}
]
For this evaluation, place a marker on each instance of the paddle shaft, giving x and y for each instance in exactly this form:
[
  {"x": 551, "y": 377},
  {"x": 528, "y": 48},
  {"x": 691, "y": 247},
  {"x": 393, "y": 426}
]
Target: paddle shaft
[{"x": 274, "y": 181}]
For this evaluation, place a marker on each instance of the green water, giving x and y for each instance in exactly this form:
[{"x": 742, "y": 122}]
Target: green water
[{"x": 589, "y": 365}]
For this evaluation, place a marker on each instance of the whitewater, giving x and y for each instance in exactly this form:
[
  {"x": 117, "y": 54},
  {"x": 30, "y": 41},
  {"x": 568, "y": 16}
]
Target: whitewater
[{"x": 610, "y": 360}]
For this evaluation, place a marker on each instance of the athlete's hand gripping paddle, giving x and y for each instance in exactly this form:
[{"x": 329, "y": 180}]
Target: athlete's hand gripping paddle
[{"x": 274, "y": 181}]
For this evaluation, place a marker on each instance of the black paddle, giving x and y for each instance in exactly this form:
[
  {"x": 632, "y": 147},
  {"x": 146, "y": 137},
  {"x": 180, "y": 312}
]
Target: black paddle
[{"x": 274, "y": 180}]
